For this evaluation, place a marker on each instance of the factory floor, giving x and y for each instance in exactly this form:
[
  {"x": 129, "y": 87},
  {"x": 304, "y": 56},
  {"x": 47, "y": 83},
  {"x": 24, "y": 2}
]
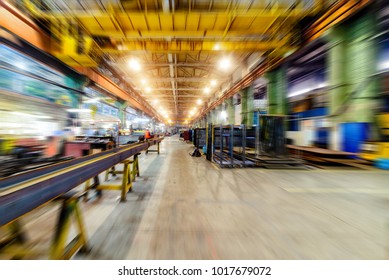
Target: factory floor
[{"x": 185, "y": 207}]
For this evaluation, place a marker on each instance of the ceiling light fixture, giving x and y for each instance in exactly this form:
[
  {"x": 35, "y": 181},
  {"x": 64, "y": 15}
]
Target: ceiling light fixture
[
  {"x": 199, "y": 101},
  {"x": 207, "y": 90},
  {"x": 213, "y": 83},
  {"x": 92, "y": 100},
  {"x": 225, "y": 64},
  {"x": 134, "y": 65}
]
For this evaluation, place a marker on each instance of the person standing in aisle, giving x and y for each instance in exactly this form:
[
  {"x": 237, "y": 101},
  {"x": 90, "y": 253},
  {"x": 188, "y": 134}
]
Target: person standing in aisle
[{"x": 147, "y": 134}]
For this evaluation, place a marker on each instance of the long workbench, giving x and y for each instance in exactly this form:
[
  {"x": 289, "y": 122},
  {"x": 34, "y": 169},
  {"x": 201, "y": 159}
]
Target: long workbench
[{"x": 20, "y": 194}]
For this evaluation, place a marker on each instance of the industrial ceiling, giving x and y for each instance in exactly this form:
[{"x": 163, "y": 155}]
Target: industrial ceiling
[{"x": 172, "y": 51}]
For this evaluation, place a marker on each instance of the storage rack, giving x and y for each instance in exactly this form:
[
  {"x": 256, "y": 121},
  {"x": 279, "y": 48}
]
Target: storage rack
[
  {"x": 199, "y": 138},
  {"x": 229, "y": 145},
  {"x": 271, "y": 149},
  {"x": 257, "y": 146}
]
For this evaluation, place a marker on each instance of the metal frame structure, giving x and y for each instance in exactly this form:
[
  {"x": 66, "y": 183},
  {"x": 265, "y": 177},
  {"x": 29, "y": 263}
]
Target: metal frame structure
[{"x": 225, "y": 139}]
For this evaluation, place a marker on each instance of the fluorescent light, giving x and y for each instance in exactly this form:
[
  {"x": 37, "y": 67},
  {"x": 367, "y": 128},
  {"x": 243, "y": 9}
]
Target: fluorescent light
[
  {"x": 199, "y": 101},
  {"x": 148, "y": 89},
  {"x": 383, "y": 65},
  {"x": 141, "y": 120},
  {"x": 299, "y": 92},
  {"x": 43, "y": 117},
  {"x": 21, "y": 114},
  {"x": 207, "y": 90},
  {"x": 92, "y": 100},
  {"x": 79, "y": 110},
  {"x": 21, "y": 65},
  {"x": 321, "y": 85},
  {"x": 213, "y": 83}
]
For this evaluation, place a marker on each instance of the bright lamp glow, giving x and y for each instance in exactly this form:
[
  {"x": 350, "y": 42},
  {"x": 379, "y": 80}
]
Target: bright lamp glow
[
  {"x": 223, "y": 115},
  {"x": 92, "y": 100},
  {"x": 148, "y": 89},
  {"x": 299, "y": 92},
  {"x": 134, "y": 65},
  {"x": 137, "y": 120},
  {"x": 79, "y": 110},
  {"x": 213, "y": 83},
  {"x": 207, "y": 90},
  {"x": 21, "y": 65},
  {"x": 383, "y": 65},
  {"x": 199, "y": 101},
  {"x": 224, "y": 64},
  {"x": 144, "y": 81}
]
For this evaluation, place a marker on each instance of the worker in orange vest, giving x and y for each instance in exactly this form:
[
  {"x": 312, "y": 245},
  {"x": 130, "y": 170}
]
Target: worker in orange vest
[{"x": 147, "y": 134}]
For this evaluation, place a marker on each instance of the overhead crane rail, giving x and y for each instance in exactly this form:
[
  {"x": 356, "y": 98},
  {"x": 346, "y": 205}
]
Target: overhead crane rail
[{"x": 20, "y": 194}]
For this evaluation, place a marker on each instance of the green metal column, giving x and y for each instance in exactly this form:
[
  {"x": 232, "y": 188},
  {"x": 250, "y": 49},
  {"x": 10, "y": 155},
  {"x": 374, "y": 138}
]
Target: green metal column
[
  {"x": 250, "y": 106},
  {"x": 230, "y": 110},
  {"x": 214, "y": 116},
  {"x": 122, "y": 115},
  {"x": 78, "y": 84},
  {"x": 277, "y": 87},
  {"x": 219, "y": 118},
  {"x": 337, "y": 69},
  {"x": 352, "y": 61},
  {"x": 361, "y": 65},
  {"x": 243, "y": 94}
]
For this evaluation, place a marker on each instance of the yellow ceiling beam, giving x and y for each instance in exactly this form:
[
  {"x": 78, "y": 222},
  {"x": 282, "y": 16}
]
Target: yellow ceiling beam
[
  {"x": 179, "y": 34},
  {"x": 262, "y": 13},
  {"x": 188, "y": 46}
]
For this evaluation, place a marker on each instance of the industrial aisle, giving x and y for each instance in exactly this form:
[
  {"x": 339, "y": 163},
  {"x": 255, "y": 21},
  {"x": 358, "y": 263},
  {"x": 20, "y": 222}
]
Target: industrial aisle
[
  {"x": 187, "y": 208},
  {"x": 184, "y": 207}
]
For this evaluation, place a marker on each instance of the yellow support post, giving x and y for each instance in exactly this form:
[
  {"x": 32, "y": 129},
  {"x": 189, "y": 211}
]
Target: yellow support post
[
  {"x": 88, "y": 186},
  {"x": 59, "y": 249},
  {"x": 16, "y": 237},
  {"x": 126, "y": 184},
  {"x": 157, "y": 150},
  {"x": 111, "y": 171},
  {"x": 135, "y": 167}
]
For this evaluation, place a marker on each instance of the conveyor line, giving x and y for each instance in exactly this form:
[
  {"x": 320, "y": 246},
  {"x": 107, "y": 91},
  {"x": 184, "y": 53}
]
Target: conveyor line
[{"x": 20, "y": 194}]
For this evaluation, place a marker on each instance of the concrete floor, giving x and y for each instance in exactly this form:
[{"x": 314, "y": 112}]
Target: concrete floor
[{"x": 184, "y": 207}]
